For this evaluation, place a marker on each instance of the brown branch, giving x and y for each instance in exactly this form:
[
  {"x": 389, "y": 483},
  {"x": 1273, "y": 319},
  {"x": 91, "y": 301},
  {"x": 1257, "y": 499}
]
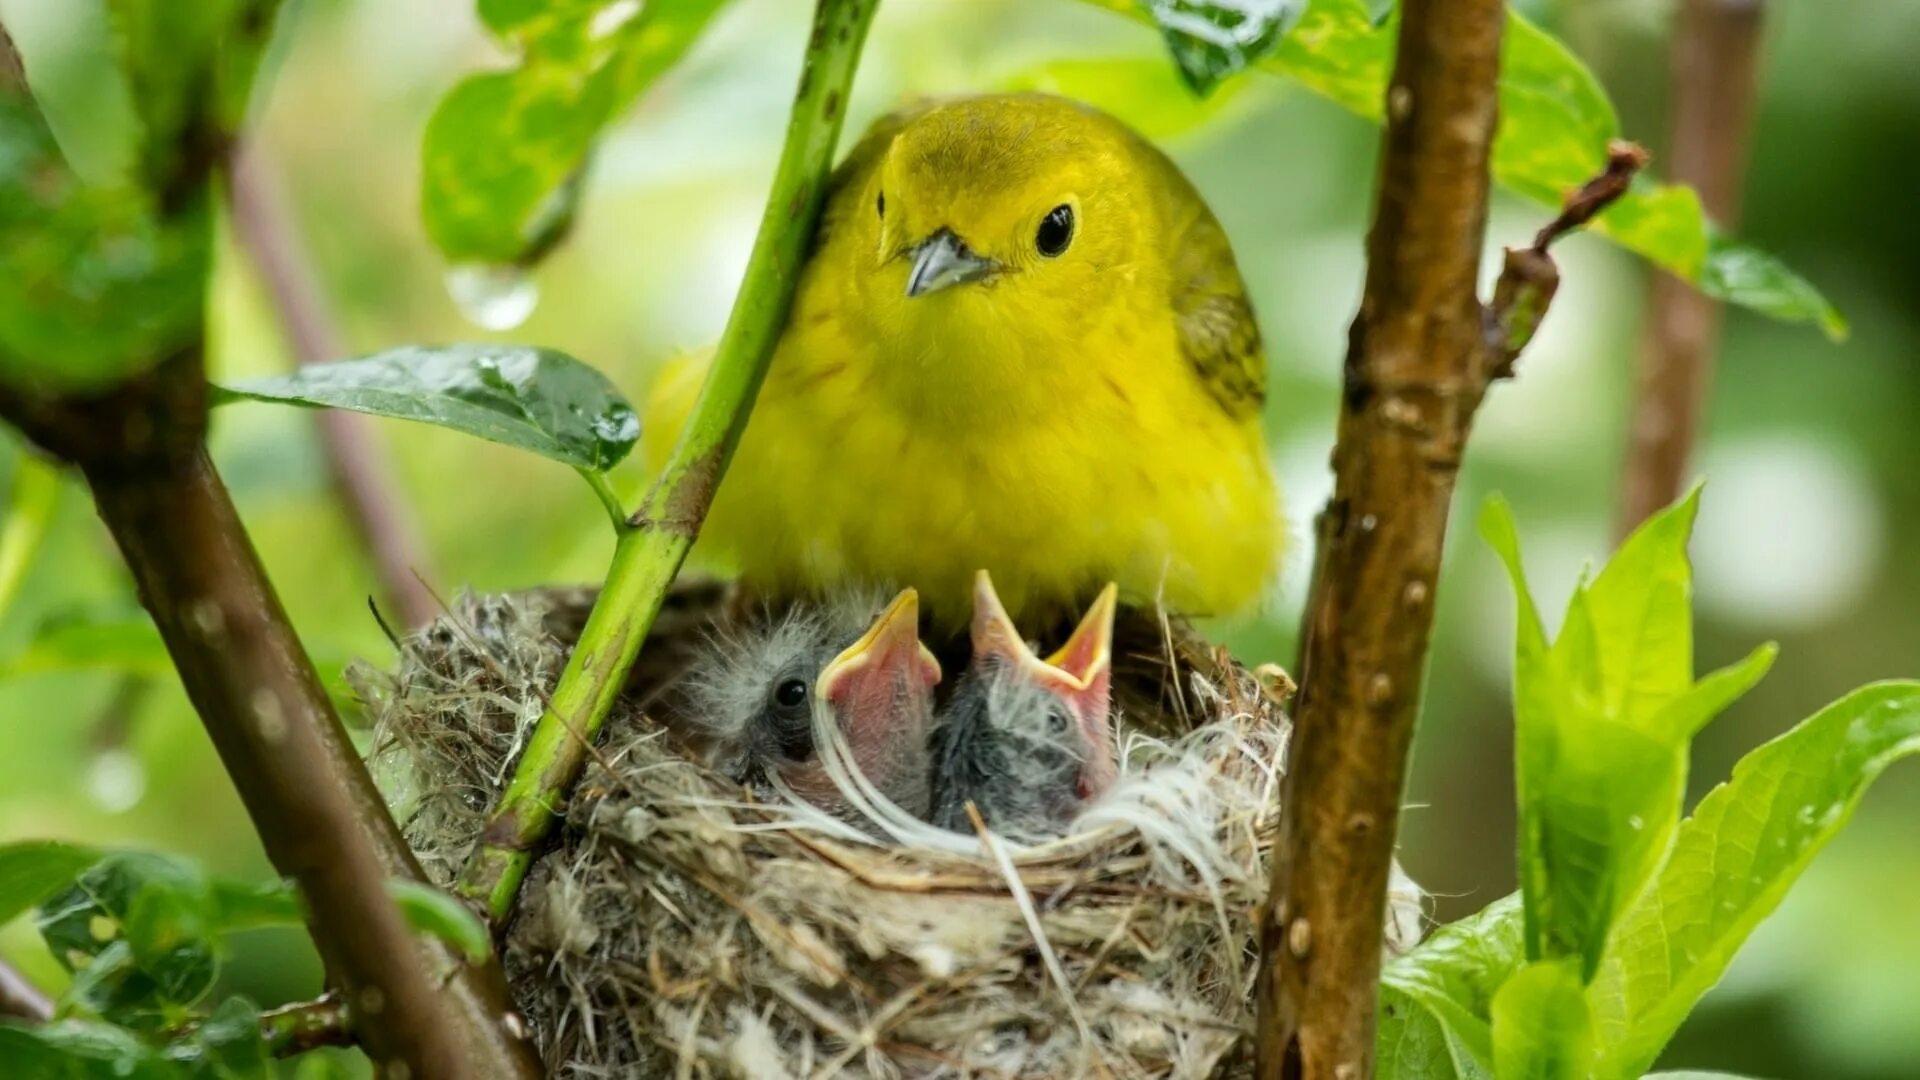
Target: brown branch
[
  {"x": 19, "y": 997},
  {"x": 1715, "y": 66},
  {"x": 291, "y": 1030},
  {"x": 141, "y": 447},
  {"x": 1418, "y": 363},
  {"x": 1529, "y": 278},
  {"x": 374, "y": 508}
]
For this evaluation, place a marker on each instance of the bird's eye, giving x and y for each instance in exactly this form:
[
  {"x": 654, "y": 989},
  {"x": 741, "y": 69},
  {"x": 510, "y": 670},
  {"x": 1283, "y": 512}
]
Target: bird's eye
[
  {"x": 880, "y": 204},
  {"x": 1056, "y": 231},
  {"x": 791, "y": 694}
]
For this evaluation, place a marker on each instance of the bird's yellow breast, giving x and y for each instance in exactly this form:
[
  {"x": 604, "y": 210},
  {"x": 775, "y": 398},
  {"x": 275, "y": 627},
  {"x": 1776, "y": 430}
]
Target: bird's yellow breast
[{"x": 1048, "y": 426}]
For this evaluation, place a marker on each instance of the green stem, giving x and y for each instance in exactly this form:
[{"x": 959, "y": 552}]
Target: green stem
[
  {"x": 36, "y": 488},
  {"x": 609, "y": 499},
  {"x": 649, "y": 554}
]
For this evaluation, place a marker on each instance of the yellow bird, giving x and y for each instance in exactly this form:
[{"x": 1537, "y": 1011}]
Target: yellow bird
[{"x": 1020, "y": 342}]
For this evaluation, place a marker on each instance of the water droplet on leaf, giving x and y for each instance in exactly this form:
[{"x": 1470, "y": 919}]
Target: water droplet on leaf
[{"x": 493, "y": 297}]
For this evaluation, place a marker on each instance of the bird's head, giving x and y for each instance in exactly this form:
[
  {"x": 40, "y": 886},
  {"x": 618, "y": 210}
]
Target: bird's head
[
  {"x": 1001, "y": 217},
  {"x": 1077, "y": 679},
  {"x": 761, "y": 691}
]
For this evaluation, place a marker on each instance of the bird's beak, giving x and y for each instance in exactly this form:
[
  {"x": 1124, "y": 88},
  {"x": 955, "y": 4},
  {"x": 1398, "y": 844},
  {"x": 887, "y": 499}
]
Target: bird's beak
[
  {"x": 883, "y": 677},
  {"x": 942, "y": 260},
  {"x": 1079, "y": 674},
  {"x": 1084, "y": 660}
]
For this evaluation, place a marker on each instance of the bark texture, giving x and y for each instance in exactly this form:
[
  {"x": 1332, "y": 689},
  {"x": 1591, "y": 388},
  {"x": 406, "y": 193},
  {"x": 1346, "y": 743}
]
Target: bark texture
[{"x": 1420, "y": 356}]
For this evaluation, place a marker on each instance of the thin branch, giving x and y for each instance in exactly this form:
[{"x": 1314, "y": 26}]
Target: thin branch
[
  {"x": 648, "y": 555},
  {"x": 374, "y": 508},
  {"x": 1529, "y": 278},
  {"x": 306, "y": 1025},
  {"x": 1422, "y": 354},
  {"x": 609, "y": 499},
  {"x": 22, "y": 1000},
  {"x": 1715, "y": 67},
  {"x": 1417, "y": 365},
  {"x": 141, "y": 446}
]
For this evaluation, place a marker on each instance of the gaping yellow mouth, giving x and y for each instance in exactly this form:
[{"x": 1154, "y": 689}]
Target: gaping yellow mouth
[
  {"x": 890, "y": 647},
  {"x": 1072, "y": 669}
]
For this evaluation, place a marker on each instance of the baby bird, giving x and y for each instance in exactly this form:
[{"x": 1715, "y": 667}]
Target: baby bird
[
  {"x": 759, "y": 695},
  {"x": 1020, "y": 341},
  {"x": 1026, "y": 740}
]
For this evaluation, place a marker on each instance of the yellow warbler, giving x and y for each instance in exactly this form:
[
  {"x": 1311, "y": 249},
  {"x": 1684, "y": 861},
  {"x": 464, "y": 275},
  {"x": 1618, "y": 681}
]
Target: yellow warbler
[{"x": 1020, "y": 343}]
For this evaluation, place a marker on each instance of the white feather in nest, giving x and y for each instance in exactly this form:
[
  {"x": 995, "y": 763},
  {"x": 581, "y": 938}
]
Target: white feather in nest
[{"x": 686, "y": 927}]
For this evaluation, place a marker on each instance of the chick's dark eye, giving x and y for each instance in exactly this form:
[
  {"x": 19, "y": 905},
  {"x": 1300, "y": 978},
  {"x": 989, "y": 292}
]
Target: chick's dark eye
[
  {"x": 1056, "y": 231},
  {"x": 790, "y": 694},
  {"x": 880, "y": 204}
]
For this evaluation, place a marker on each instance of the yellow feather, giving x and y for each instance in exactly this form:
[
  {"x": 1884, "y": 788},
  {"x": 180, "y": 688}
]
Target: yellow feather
[{"x": 1062, "y": 422}]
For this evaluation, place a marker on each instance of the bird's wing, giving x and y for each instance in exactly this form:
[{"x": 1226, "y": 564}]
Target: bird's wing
[{"x": 1218, "y": 334}]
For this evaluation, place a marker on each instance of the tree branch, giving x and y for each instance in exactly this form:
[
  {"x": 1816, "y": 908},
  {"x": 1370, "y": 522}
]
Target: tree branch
[
  {"x": 140, "y": 445},
  {"x": 22, "y": 1000},
  {"x": 374, "y": 508},
  {"x": 1715, "y": 67},
  {"x": 1421, "y": 355},
  {"x": 649, "y": 554}
]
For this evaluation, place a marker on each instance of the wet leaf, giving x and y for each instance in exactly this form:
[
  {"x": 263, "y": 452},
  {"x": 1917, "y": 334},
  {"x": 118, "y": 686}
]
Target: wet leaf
[
  {"x": 1555, "y": 124},
  {"x": 1734, "y": 860},
  {"x": 536, "y": 399},
  {"x": 1213, "y": 40},
  {"x": 504, "y": 150},
  {"x": 1603, "y": 718}
]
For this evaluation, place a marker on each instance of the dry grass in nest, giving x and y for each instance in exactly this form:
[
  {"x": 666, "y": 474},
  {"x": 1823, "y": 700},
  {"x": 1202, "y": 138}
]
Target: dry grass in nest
[{"x": 679, "y": 928}]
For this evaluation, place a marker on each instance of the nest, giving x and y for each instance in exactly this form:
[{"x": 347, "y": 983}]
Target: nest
[{"x": 679, "y": 927}]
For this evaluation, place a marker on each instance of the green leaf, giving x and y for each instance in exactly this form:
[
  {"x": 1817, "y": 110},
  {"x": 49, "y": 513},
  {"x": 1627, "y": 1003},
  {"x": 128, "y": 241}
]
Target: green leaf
[
  {"x": 1751, "y": 278},
  {"x": 138, "y": 930},
  {"x": 1436, "y": 1000},
  {"x": 536, "y": 399},
  {"x": 81, "y": 1050},
  {"x": 1212, "y": 40},
  {"x": 227, "y": 1044},
  {"x": 504, "y": 150},
  {"x": 94, "y": 283},
  {"x": 32, "y": 870},
  {"x": 251, "y": 907},
  {"x": 1603, "y": 718},
  {"x": 1734, "y": 860},
  {"x": 432, "y": 911},
  {"x": 189, "y": 68},
  {"x": 1555, "y": 124},
  {"x": 1542, "y": 1028}
]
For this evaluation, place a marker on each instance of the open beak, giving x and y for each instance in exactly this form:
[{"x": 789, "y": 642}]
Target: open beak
[
  {"x": 1072, "y": 671},
  {"x": 943, "y": 259},
  {"x": 882, "y": 677},
  {"x": 1080, "y": 674}
]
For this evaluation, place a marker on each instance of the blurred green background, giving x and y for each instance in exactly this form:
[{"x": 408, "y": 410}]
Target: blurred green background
[{"x": 1806, "y": 534}]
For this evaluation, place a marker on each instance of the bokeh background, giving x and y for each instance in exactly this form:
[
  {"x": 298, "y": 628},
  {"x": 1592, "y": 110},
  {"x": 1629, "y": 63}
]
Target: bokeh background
[{"x": 1807, "y": 534}]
